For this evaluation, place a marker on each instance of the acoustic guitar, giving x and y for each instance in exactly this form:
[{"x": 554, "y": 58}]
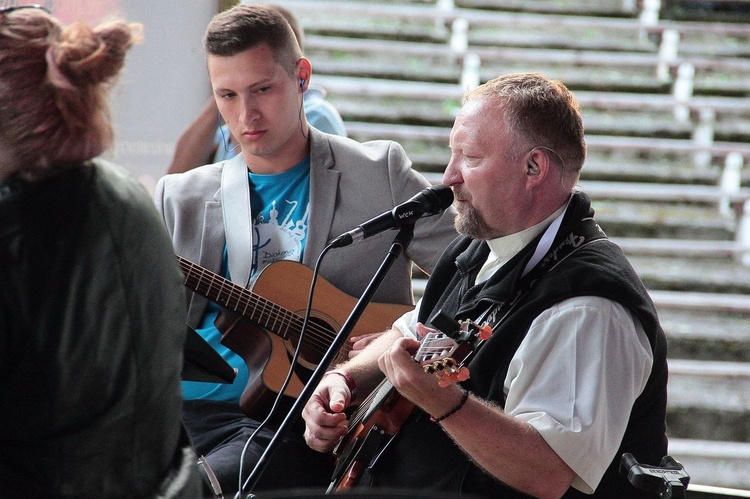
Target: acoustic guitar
[
  {"x": 263, "y": 326},
  {"x": 376, "y": 421}
]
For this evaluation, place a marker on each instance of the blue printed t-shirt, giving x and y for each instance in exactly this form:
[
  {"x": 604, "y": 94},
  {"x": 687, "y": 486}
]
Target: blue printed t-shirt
[{"x": 280, "y": 205}]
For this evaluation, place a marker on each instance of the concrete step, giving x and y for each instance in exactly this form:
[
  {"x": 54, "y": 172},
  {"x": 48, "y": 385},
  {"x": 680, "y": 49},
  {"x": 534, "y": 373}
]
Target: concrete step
[
  {"x": 586, "y": 7},
  {"x": 724, "y": 250},
  {"x": 430, "y": 91},
  {"x": 631, "y": 219},
  {"x": 707, "y": 334},
  {"x": 723, "y": 464},
  {"x": 676, "y": 149},
  {"x": 580, "y": 72},
  {"x": 542, "y": 23},
  {"x": 720, "y": 283},
  {"x": 709, "y": 400},
  {"x": 648, "y": 123}
]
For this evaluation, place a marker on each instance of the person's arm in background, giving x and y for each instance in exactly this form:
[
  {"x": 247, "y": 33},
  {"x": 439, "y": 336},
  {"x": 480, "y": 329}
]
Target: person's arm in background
[
  {"x": 321, "y": 114},
  {"x": 197, "y": 145}
]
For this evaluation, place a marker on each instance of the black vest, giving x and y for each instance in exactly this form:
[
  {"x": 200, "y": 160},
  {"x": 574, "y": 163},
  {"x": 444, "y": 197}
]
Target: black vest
[{"x": 423, "y": 456}]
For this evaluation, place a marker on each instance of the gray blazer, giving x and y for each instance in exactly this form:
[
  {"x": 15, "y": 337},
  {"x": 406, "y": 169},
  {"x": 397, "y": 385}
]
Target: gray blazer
[{"x": 350, "y": 182}]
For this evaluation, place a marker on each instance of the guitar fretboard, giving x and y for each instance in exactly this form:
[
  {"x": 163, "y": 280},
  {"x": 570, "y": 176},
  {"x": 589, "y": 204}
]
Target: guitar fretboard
[
  {"x": 238, "y": 299},
  {"x": 435, "y": 345}
]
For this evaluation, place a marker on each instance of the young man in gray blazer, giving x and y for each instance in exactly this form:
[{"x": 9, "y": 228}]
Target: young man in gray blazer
[{"x": 290, "y": 191}]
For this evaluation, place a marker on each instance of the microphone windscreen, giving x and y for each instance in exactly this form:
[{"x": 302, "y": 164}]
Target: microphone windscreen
[{"x": 440, "y": 197}]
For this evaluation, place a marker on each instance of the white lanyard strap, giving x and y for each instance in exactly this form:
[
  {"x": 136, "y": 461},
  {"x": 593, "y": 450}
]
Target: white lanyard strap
[{"x": 545, "y": 243}]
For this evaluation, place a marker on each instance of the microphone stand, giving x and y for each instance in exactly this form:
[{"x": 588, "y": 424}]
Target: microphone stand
[{"x": 400, "y": 243}]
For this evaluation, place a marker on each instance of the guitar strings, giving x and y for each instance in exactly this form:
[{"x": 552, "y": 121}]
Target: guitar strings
[
  {"x": 361, "y": 411},
  {"x": 269, "y": 311},
  {"x": 265, "y": 312},
  {"x": 427, "y": 351}
]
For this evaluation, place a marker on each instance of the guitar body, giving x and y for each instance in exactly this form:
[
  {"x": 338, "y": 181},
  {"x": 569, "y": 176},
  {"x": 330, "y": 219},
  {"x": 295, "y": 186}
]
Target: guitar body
[
  {"x": 268, "y": 349},
  {"x": 364, "y": 440},
  {"x": 378, "y": 419},
  {"x": 254, "y": 345}
]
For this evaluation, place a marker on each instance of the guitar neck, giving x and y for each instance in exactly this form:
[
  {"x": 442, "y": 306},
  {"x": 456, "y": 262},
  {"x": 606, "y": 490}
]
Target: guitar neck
[
  {"x": 434, "y": 346},
  {"x": 375, "y": 400},
  {"x": 250, "y": 305}
]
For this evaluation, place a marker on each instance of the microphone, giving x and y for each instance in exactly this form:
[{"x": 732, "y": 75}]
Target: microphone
[{"x": 428, "y": 202}]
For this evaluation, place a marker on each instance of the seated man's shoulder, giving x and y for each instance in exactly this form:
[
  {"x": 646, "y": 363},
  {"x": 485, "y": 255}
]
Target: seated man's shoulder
[
  {"x": 205, "y": 173},
  {"x": 373, "y": 150},
  {"x": 197, "y": 182}
]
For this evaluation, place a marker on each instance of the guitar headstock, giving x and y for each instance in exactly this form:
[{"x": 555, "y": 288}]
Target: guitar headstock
[
  {"x": 465, "y": 331},
  {"x": 447, "y": 371},
  {"x": 443, "y": 354},
  {"x": 436, "y": 354}
]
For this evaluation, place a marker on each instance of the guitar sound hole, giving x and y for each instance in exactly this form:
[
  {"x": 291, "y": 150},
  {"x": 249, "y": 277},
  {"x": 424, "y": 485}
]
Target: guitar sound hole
[{"x": 318, "y": 339}]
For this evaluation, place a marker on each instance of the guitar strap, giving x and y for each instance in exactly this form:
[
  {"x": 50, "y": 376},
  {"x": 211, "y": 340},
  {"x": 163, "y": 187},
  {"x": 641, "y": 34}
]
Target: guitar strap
[
  {"x": 544, "y": 259},
  {"x": 238, "y": 218}
]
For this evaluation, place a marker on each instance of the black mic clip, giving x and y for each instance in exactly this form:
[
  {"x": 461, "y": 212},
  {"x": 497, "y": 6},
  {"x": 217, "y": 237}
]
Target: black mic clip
[{"x": 403, "y": 214}]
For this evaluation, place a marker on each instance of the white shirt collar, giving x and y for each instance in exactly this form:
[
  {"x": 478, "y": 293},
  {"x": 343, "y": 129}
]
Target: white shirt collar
[
  {"x": 502, "y": 249},
  {"x": 507, "y": 246}
]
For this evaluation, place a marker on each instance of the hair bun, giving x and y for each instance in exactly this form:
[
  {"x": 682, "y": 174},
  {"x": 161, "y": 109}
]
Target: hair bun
[{"x": 86, "y": 56}]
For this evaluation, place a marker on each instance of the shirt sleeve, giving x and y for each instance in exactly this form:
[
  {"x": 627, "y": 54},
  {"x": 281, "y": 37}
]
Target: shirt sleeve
[
  {"x": 575, "y": 377},
  {"x": 323, "y": 116},
  {"x": 407, "y": 323}
]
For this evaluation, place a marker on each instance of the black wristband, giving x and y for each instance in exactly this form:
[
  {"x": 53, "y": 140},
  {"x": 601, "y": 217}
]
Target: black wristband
[{"x": 452, "y": 411}]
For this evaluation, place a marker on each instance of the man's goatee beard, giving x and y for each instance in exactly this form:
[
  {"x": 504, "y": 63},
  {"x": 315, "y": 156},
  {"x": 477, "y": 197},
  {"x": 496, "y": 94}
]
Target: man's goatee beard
[{"x": 471, "y": 224}]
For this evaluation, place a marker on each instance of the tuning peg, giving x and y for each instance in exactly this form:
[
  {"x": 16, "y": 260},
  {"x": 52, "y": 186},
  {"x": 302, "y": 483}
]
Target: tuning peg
[
  {"x": 485, "y": 332},
  {"x": 462, "y": 374}
]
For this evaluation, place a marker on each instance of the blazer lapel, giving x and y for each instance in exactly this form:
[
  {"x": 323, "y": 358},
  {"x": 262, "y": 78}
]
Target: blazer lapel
[
  {"x": 324, "y": 185},
  {"x": 211, "y": 252}
]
